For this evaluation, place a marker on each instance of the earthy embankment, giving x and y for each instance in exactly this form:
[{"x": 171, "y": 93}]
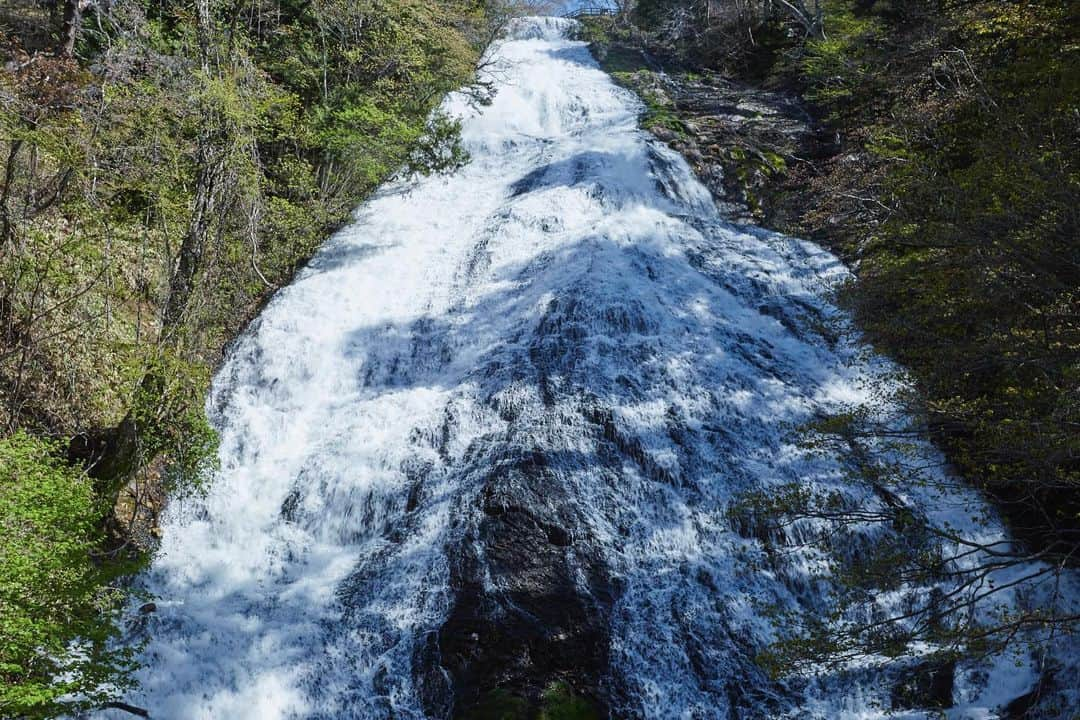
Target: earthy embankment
[{"x": 741, "y": 140}]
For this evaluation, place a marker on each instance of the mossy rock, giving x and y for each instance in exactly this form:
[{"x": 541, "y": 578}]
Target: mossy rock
[
  {"x": 557, "y": 702},
  {"x": 560, "y": 702},
  {"x": 501, "y": 705}
]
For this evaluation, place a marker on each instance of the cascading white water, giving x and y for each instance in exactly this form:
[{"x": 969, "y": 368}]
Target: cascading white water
[{"x": 573, "y": 276}]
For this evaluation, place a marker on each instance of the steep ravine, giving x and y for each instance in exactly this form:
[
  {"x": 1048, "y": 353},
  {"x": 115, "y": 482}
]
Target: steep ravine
[{"x": 480, "y": 459}]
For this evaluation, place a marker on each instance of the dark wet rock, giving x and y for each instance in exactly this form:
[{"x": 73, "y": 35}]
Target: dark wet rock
[
  {"x": 434, "y": 686},
  {"x": 290, "y": 505},
  {"x": 531, "y": 605},
  {"x": 627, "y": 446},
  {"x": 1026, "y": 707},
  {"x": 929, "y": 685}
]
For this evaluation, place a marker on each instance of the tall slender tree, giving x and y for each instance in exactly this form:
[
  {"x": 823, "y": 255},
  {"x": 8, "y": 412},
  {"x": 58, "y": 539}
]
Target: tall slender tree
[{"x": 69, "y": 29}]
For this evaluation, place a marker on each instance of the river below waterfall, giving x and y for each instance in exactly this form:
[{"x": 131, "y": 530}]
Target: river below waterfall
[{"x": 488, "y": 443}]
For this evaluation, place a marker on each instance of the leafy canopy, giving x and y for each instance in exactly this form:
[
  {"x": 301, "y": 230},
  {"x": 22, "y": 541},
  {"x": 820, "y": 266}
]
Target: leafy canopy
[{"x": 55, "y": 601}]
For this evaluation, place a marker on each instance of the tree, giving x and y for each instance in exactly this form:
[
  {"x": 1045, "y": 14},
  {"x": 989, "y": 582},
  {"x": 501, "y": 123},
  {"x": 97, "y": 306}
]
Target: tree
[
  {"x": 69, "y": 28},
  {"x": 56, "y": 629}
]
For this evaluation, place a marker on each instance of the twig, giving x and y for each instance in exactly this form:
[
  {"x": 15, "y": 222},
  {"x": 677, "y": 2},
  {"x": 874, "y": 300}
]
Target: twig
[{"x": 132, "y": 709}]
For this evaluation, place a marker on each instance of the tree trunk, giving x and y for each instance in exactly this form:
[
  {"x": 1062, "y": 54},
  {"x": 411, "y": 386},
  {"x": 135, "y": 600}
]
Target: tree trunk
[
  {"x": 69, "y": 31},
  {"x": 182, "y": 282},
  {"x": 7, "y": 228},
  {"x": 209, "y": 163},
  {"x": 133, "y": 709}
]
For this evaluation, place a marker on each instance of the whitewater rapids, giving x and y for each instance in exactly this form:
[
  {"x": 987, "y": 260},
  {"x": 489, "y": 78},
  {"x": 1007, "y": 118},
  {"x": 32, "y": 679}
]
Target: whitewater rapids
[{"x": 565, "y": 332}]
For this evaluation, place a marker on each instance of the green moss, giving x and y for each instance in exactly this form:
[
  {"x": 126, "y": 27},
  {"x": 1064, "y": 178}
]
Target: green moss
[
  {"x": 560, "y": 702},
  {"x": 840, "y": 66},
  {"x": 557, "y": 702},
  {"x": 628, "y": 69},
  {"x": 501, "y": 704}
]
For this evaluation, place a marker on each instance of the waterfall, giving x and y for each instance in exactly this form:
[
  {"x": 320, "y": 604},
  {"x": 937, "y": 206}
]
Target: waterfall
[{"x": 492, "y": 434}]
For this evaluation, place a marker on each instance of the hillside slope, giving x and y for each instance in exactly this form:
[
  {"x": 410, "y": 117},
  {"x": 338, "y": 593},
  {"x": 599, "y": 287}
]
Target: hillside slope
[{"x": 164, "y": 167}]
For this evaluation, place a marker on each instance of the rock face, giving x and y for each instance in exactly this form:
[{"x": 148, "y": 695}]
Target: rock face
[
  {"x": 533, "y": 597},
  {"x": 926, "y": 686},
  {"x": 739, "y": 139}
]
